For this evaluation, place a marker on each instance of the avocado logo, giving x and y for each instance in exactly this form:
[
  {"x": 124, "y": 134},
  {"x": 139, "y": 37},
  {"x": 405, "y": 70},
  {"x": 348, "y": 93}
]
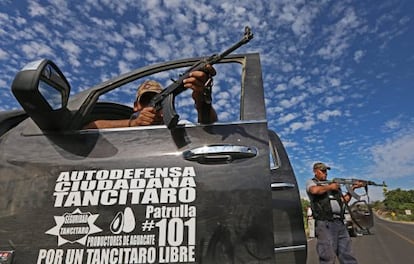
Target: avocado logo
[
  {"x": 123, "y": 222},
  {"x": 74, "y": 227}
]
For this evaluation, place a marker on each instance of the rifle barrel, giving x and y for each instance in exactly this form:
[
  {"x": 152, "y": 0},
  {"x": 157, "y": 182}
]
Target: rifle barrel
[{"x": 248, "y": 35}]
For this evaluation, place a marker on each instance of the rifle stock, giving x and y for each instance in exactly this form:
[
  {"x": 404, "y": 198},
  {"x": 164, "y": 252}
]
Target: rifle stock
[{"x": 165, "y": 99}]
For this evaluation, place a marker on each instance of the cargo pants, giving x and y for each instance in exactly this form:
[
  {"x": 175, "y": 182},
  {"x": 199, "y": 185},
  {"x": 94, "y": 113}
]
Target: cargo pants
[{"x": 333, "y": 241}]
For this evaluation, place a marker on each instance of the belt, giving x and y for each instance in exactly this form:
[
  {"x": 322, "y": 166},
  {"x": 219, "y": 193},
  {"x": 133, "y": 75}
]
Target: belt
[{"x": 332, "y": 220}]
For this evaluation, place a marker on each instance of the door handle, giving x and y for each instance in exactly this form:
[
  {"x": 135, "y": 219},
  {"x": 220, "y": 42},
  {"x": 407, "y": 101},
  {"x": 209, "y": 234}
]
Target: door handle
[
  {"x": 277, "y": 186},
  {"x": 219, "y": 153}
]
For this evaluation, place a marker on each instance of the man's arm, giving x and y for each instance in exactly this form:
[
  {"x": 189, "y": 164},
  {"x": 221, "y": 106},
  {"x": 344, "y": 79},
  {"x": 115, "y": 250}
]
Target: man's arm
[
  {"x": 348, "y": 196},
  {"x": 107, "y": 124},
  {"x": 199, "y": 104},
  {"x": 147, "y": 116},
  {"x": 321, "y": 189},
  {"x": 197, "y": 81}
]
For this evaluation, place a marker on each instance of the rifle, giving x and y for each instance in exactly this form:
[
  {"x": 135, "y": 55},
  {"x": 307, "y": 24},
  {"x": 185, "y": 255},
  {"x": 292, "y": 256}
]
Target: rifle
[
  {"x": 349, "y": 182},
  {"x": 165, "y": 99}
]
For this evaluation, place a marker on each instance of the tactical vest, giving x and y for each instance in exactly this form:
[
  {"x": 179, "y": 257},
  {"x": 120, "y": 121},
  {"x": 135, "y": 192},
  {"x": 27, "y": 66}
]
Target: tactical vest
[{"x": 321, "y": 205}]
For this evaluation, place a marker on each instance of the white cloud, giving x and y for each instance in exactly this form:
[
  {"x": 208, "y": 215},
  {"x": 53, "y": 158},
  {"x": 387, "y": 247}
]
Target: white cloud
[
  {"x": 4, "y": 17},
  {"x": 397, "y": 123},
  {"x": 341, "y": 35},
  {"x": 286, "y": 66},
  {"x": 392, "y": 124},
  {"x": 160, "y": 50},
  {"x": 3, "y": 83},
  {"x": 289, "y": 12},
  {"x": 327, "y": 114},
  {"x": 358, "y": 56},
  {"x": 281, "y": 87},
  {"x": 70, "y": 47},
  {"x": 297, "y": 81},
  {"x": 394, "y": 158},
  {"x": 333, "y": 99},
  {"x": 35, "y": 49},
  {"x": 123, "y": 67},
  {"x": 347, "y": 142},
  {"x": 303, "y": 21},
  {"x": 289, "y": 144},
  {"x": 274, "y": 109},
  {"x": 41, "y": 29},
  {"x": 3, "y": 54},
  {"x": 107, "y": 23},
  {"x": 294, "y": 101},
  {"x": 308, "y": 124},
  {"x": 223, "y": 116},
  {"x": 202, "y": 28},
  {"x": 111, "y": 52},
  {"x": 35, "y": 9},
  {"x": 334, "y": 82},
  {"x": 131, "y": 54},
  {"x": 287, "y": 118},
  {"x": 134, "y": 30}
]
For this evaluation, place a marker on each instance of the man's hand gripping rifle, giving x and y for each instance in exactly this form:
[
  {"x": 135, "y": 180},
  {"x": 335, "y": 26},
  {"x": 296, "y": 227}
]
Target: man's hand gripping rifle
[
  {"x": 165, "y": 99},
  {"x": 349, "y": 183}
]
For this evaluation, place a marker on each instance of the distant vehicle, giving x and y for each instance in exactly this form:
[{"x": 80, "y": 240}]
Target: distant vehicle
[
  {"x": 221, "y": 193},
  {"x": 359, "y": 218}
]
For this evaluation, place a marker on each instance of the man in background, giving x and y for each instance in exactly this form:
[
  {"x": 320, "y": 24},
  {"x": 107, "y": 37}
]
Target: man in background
[{"x": 328, "y": 208}]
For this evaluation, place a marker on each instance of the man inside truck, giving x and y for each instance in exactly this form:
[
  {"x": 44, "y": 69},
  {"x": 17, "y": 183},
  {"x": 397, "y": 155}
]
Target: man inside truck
[{"x": 145, "y": 115}]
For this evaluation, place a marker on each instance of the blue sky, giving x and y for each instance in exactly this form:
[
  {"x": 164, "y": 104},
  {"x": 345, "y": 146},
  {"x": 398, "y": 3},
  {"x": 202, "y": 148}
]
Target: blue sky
[{"x": 338, "y": 75}]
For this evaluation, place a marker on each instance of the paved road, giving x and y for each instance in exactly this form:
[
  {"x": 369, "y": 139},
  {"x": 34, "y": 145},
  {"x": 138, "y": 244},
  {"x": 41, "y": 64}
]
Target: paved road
[{"x": 389, "y": 243}]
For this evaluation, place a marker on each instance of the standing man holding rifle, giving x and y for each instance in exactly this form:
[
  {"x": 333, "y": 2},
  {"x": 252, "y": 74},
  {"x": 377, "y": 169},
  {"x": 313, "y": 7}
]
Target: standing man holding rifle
[{"x": 328, "y": 207}]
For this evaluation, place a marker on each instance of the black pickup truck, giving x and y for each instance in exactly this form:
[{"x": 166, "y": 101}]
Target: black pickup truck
[{"x": 220, "y": 193}]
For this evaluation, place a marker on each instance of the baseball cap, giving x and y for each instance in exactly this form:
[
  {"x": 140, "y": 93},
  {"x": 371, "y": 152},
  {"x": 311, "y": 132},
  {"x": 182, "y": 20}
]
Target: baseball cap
[
  {"x": 148, "y": 86},
  {"x": 321, "y": 166}
]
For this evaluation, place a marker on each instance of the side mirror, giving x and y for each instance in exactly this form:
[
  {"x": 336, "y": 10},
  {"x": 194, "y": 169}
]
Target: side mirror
[{"x": 43, "y": 92}]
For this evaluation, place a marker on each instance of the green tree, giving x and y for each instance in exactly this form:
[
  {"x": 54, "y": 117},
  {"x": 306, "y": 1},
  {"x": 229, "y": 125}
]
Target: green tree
[
  {"x": 305, "y": 206},
  {"x": 399, "y": 200}
]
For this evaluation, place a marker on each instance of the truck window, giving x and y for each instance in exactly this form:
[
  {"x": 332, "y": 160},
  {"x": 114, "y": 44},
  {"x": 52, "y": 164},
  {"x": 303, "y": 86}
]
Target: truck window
[
  {"x": 226, "y": 93},
  {"x": 273, "y": 156}
]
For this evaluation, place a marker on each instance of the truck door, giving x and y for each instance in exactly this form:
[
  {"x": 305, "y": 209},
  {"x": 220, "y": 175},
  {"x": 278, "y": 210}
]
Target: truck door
[
  {"x": 288, "y": 229},
  {"x": 195, "y": 194}
]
